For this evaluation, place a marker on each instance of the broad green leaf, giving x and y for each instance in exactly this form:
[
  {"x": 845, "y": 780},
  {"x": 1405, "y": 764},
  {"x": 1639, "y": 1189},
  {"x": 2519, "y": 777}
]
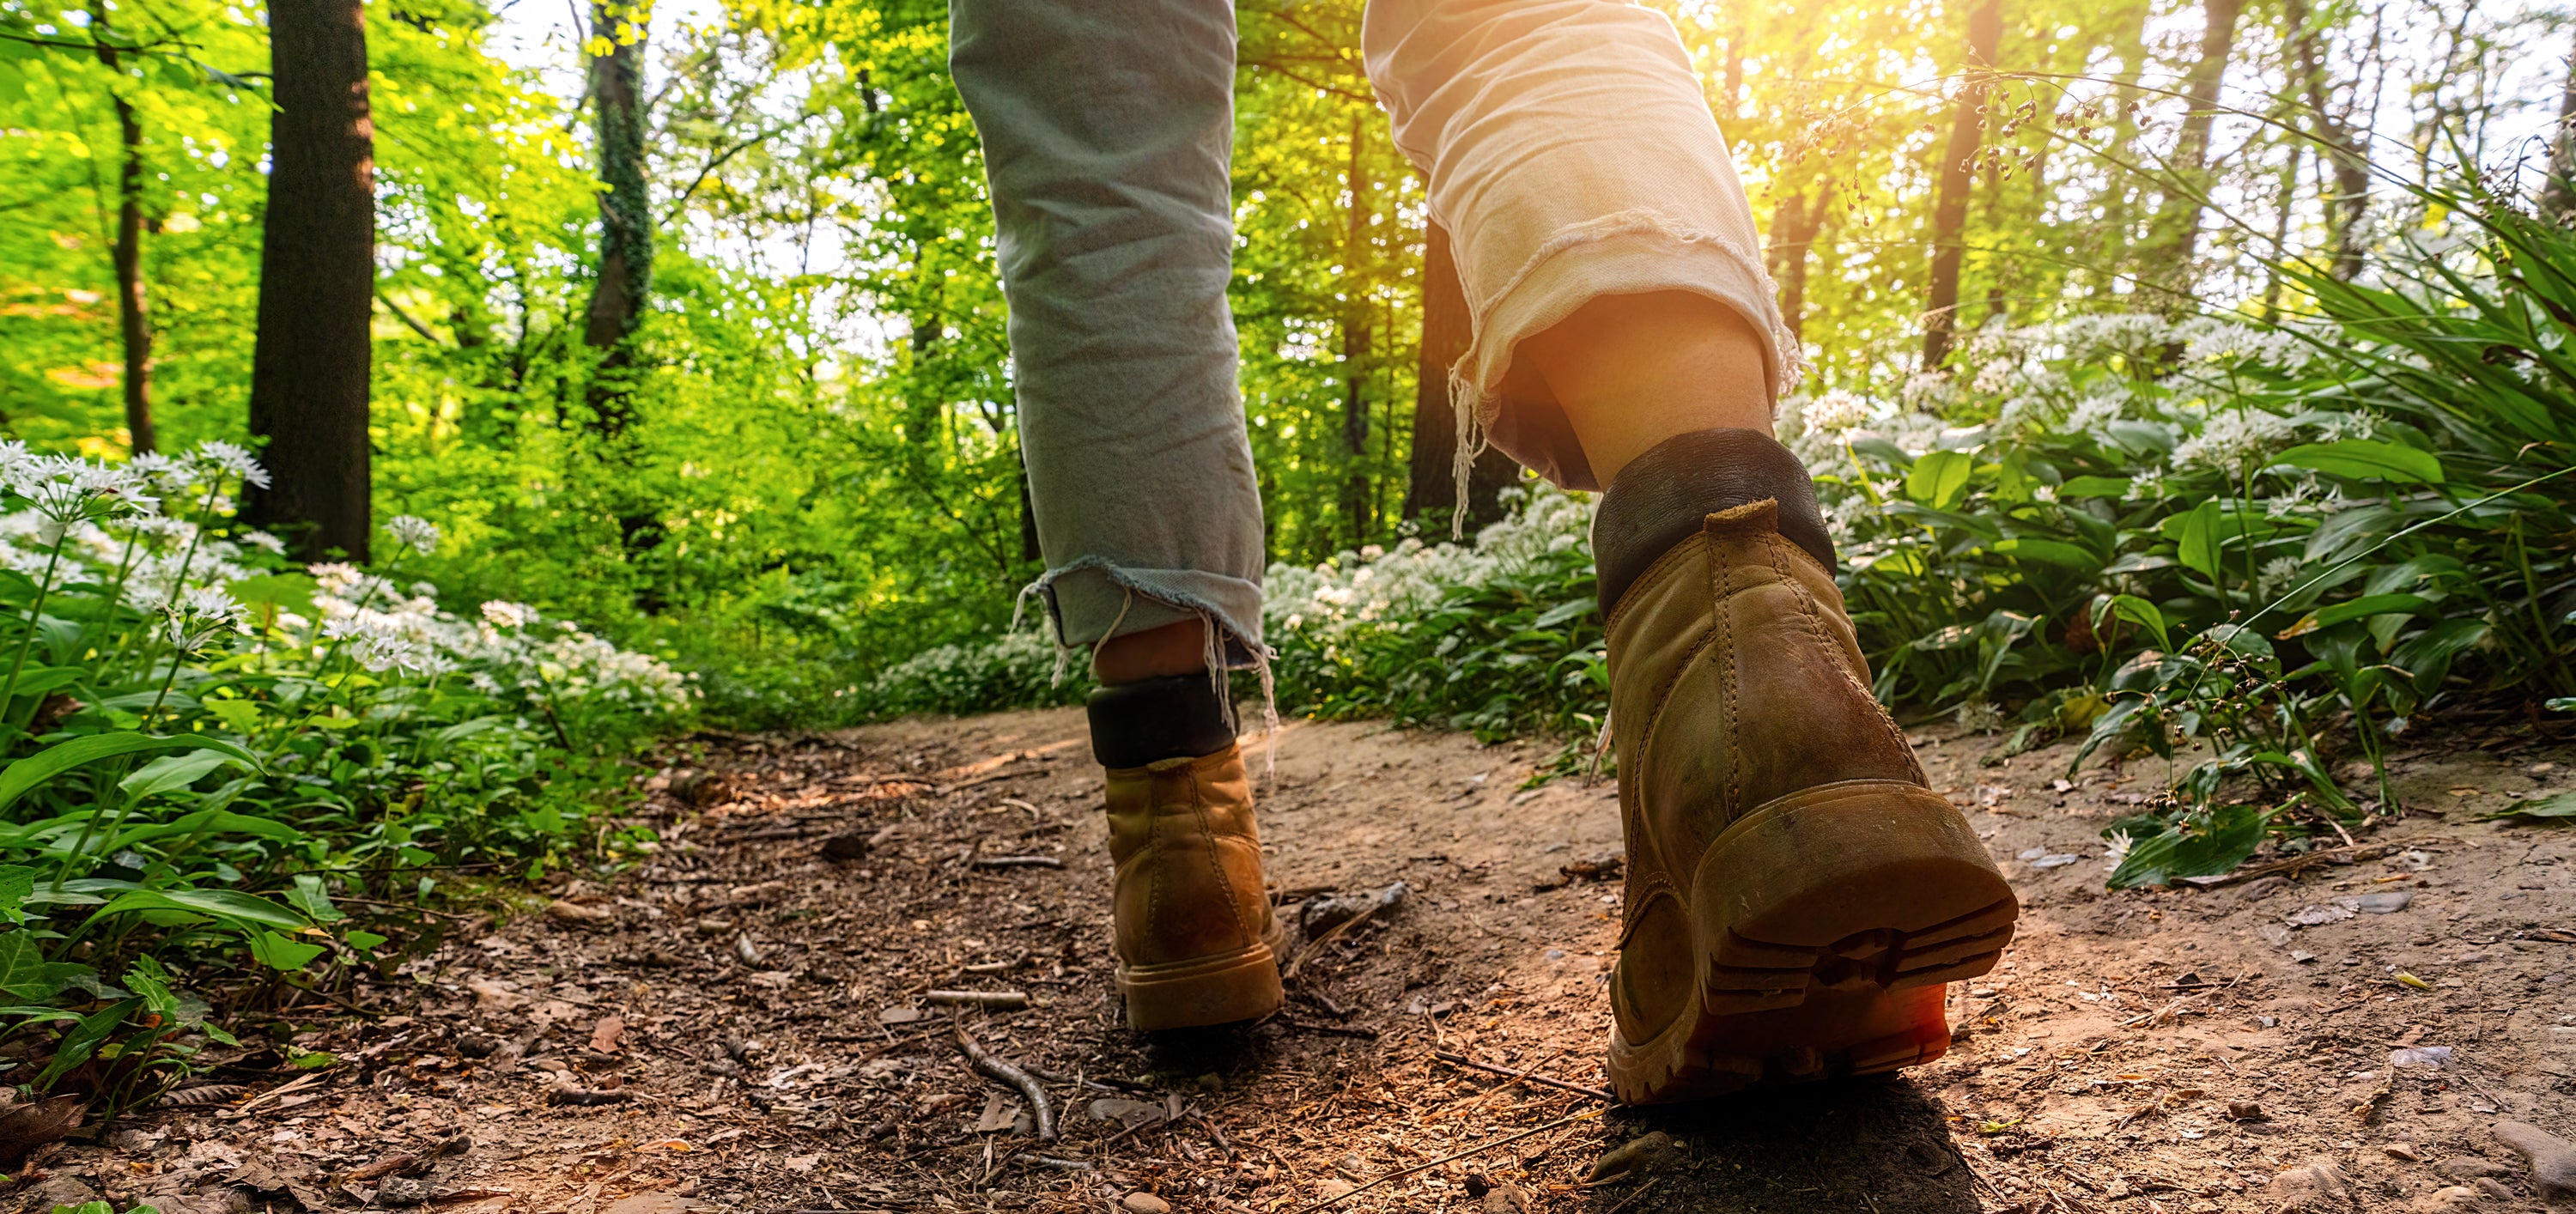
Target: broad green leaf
[
  {"x": 84, "y": 1039},
  {"x": 17, "y": 881},
  {"x": 2050, "y": 552},
  {"x": 239, "y": 716},
  {"x": 2094, "y": 486},
  {"x": 276, "y": 592},
  {"x": 26, "y": 976},
  {"x": 2199, "y": 539},
  {"x": 309, "y": 897},
  {"x": 1939, "y": 478},
  {"x": 2135, "y": 610},
  {"x": 172, "y": 772},
  {"x": 151, "y": 983},
  {"x": 2197, "y": 845},
  {"x": 2354, "y": 609},
  {"x": 208, "y": 822},
  {"x": 2556, "y": 809},
  {"x": 25, "y": 774},
  {"x": 220, "y": 903},
  {"x": 279, "y": 953},
  {"x": 364, "y": 941},
  {"x": 2367, "y": 459}
]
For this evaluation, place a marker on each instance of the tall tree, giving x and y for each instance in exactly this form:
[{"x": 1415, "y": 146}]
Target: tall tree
[
  {"x": 618, "y": 294},
  {"x": 317, "y": 267},
  {"x": 1448, "y": 328},
  {"x": 2558, "y": 194},
  {"x": 2348, "y": 207},
  {"x": 2174, "y": 235},
  {"x": 1958, "y": 178},
  {"x": 1796, "y": 221},
  {"x": 134, "y": 326},
  {"x": 1359, "y": 504}
]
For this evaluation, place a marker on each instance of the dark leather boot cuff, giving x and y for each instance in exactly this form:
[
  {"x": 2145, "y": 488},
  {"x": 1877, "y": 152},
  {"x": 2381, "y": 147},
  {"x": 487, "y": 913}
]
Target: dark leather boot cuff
[
  {"x": 1179, "y": 716},
  {"x": 1662, "y": 497}
]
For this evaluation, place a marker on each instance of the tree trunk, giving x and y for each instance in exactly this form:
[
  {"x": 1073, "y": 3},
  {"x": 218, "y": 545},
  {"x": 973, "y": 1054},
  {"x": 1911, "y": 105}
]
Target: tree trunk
[
  {"x": 1958, "y": 178},
  {"x": 2121, "y": 189},
  {"x": 1795, "y": 224},
  {"x": 2348, "y": 209},
  {"x": 1357, "y": 501},
  {"x": 625, "y": 218},
  {"x": 2558, "y": 195},
  {"x": 1448, "y": 328},
  {"x": 2176, "y": 234},
  {"x": 317, "y": 269},
  {"x": 133, "y": 319}
]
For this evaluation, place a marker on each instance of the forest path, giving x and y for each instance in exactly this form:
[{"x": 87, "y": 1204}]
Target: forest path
[{"x": 773, "y": 1050}]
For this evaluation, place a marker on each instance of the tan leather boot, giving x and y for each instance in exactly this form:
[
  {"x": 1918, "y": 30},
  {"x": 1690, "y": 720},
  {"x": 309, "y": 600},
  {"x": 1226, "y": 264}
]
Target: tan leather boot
[
  {"x": 1796, "y": 895},
  {"x": 1197, "y": 944}
]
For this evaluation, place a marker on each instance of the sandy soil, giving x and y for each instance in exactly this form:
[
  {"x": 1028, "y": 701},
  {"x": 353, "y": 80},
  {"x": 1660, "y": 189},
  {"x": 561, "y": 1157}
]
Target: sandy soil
[{"x": 750, "y": 1014}]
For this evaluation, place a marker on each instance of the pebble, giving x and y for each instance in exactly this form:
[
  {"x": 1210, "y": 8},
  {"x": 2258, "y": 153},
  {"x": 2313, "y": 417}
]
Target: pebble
[
  {"x": 1145, "y": 1203},
  {"x": 2469, "y": 1167}
]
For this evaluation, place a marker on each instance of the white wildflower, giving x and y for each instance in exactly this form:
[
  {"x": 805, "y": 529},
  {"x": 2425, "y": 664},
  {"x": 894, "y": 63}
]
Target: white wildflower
[
  {"x": 503, "y": 614},
  {"x": 2233, "y": 440},
  {"x": 219, "y": 459},
  {"x": 1980, "y": 716},
  {"x": 413, "y": 532},
  {"x": 264, "y": 542},
  {"x": 2146, "y": 486},
  {"x": 1837, "y": 410}
]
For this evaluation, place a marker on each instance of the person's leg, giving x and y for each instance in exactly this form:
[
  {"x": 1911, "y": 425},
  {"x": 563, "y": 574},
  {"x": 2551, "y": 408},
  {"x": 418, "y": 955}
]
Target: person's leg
[
  {"x": 1796, "y": 895},
  {"x": 1107, "y": 125}
]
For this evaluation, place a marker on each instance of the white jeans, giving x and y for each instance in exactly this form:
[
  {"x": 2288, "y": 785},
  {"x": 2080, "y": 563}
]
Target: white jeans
[{"x": 1570, "y": 152}]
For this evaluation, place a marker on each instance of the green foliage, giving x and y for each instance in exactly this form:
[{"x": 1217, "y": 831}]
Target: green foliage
[{"x": 188, "y": 779}]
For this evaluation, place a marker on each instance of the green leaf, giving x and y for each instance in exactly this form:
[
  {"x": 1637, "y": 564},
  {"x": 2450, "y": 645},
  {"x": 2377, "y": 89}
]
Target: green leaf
[
  {"x": 2137, "y": 611},
  {"x": 2200, "y": 540},
  {"x": 27, "y": 977},
  {"x": 279, "y": 953},
  {"x": 309, "y": 897},
  {"x": 84, "y": 1038},
  {"x": 2367, "y": 459},
  {"x": 2114, "y": 487},
  {"x": 220, "y": 903},
  {"x": 1939, "y": 478},
  {"x": 2354, "y": 609},
  {"x": 210, "y": 822},
  {"x": 364, "y": 941},
  {"x": 2051, "y": 552},
  {"x": 2556, "y": 809},
  {"x": 17, "y": 883},
  {"x": 151, "y": 983},
  {"x": 239, "y": 716},
  {"x": 171, "y": 772},
  {"x": 20, "y": 777},
  {"x": 2198, "y": 845}
]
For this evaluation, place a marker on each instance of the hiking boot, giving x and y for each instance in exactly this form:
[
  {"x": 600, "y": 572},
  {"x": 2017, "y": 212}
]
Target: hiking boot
[
  {"x": 1796, "y": 895},
  {"x": 1197, "y": 944}
]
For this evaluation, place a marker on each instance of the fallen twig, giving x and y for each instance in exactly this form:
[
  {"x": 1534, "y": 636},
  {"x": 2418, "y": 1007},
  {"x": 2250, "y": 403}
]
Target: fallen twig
[
  {"x": 1018, "y": 862},
  {"x": 1341, "y": 929},
  {"x": 983, "y": 1060},
  {"x": 1425, "y": 1167},
  {"x": 273, "y": 1093},
  {"x": 995, "y": 1000},
  {"x": 1456, "y": 1059}
]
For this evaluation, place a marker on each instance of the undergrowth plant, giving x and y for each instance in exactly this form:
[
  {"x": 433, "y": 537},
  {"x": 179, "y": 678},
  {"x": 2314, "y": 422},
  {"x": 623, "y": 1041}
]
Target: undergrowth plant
[
  {"x": 2253, "y": 552},
  {"x": 210, "y": 750}
]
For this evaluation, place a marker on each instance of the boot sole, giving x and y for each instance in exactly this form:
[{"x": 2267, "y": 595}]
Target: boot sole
[
  {"x": 1825, "y": 925},
  {"x": 1220, "y": 989}
]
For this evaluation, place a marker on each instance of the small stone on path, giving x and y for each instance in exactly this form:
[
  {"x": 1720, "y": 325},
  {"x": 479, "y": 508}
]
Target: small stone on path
[{"x": 1145, "y": 1203}]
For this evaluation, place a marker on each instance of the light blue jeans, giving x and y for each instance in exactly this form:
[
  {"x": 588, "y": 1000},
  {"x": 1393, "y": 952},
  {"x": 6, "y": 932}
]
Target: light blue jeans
[{"x": 1568, "y": 147}]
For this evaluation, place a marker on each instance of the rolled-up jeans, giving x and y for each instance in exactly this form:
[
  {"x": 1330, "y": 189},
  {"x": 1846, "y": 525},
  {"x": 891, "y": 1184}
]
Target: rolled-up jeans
[{"x": 1569, "y": 150}]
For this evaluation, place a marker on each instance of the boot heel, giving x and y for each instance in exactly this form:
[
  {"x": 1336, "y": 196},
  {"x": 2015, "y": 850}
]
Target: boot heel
[
  {"x": 1202, "y": 991},
  {"x": 1826, "y": 924},
  {"x": 1857, "y": 886}
]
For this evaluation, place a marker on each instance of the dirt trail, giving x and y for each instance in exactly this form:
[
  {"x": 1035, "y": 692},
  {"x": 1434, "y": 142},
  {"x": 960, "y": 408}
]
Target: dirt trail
[{"x": 756, "y": 1012}]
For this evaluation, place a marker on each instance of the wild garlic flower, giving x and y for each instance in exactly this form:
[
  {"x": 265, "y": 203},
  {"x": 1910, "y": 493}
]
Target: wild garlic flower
[
  {"x": 2233, "y": 440},
  {"x": 413, "y": 532},
  {"x": 500, "y": 613},
  {"x": 216, "y": 460},
  {"x": 1837, "y": 411},
  {"x": 68, "y": 491},
  {"x": 199, "y": 616},
  {"x": 264, "y": 542}
]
